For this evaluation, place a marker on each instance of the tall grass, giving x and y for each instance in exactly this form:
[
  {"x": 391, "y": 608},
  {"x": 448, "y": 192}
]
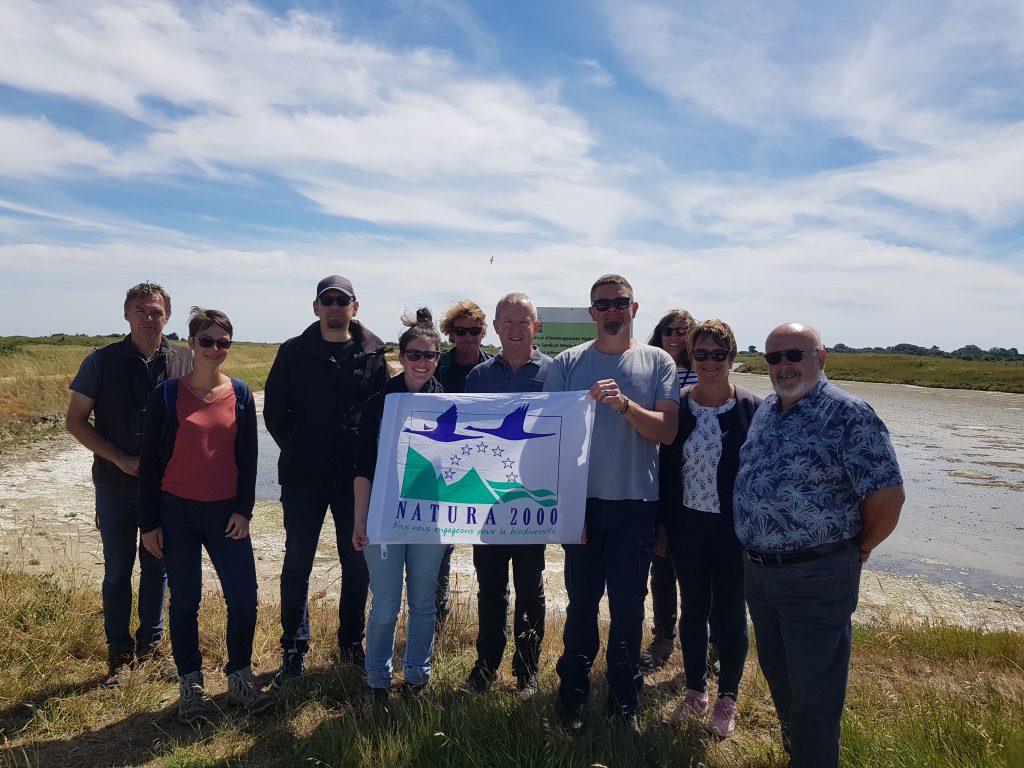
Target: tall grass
[{"x": 926, "y": 696}]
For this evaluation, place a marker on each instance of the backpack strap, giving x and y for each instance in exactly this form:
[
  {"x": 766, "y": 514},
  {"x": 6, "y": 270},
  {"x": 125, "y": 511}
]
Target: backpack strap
[{"x": 241, "y": 395}]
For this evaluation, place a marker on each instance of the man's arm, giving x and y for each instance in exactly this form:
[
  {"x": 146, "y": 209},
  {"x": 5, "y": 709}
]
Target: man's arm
[
  {"x": 275, "y": 399},
  {"x": 77, "y": 423},
  {"x": 658, "y": 425},
  {"x": 880, "y": 512}
]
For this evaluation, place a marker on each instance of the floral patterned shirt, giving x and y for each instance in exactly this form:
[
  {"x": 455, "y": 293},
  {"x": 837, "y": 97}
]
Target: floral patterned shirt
[
  {"x": 804, "y": 471},
  {"x": 701, "y": 453}
]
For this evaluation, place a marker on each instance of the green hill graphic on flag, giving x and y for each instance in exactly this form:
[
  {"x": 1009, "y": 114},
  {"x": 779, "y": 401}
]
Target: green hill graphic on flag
[{"x": 422, "y": 482}]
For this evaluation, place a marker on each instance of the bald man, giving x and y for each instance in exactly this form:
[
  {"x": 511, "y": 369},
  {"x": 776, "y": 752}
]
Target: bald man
[{"x": 818, "y": 489}]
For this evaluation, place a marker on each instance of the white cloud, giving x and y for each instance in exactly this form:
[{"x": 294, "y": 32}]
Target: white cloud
[
  {"x": 596, "y": 74},
  {"x": 32, "y": 147}
]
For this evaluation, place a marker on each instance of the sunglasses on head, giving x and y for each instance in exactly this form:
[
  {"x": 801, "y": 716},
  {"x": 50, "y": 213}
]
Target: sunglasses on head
[
  {"x": 206, "y": 342},
  {"x": 674, "y": 331},
  {"x": 415, "y": 354},
  {"x": 341, "y": 301},
  {"x": 463, "y": 331},
  {"x": 603, "y": 305},
  {"x": 792, "y": 355},
  {"x": 718, "y": 355}
]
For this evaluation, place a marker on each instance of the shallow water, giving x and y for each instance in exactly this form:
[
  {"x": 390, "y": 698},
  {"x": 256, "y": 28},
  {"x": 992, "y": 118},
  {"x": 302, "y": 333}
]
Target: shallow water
[{"x": 962, "y": 456}]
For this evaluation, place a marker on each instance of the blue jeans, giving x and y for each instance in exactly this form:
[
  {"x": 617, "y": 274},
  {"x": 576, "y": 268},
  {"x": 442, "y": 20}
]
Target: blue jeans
[
  {"x": 617, "y": 555},
  {"x": 189, "y": 526},
  {"x": 709, "y": 562},
  {"x": 304, "y": 512},
  {"x": 801, "y": 616},
  {"x": 119, "y": 532},
  {"x": 389, "y": 565}
]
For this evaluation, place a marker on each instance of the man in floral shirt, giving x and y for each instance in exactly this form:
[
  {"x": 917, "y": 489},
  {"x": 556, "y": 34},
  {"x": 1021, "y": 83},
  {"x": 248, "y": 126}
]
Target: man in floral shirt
[{"x": 818, "y": 489}]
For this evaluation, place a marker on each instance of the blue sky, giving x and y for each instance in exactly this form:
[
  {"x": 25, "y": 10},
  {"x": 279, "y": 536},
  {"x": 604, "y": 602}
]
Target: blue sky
[{"x": 757, "y": 161}]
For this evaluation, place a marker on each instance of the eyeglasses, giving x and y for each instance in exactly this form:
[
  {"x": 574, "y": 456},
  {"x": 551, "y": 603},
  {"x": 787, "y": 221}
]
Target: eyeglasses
[
  {"x": 329, "y": 301},
  {"x": 674, "y": 331},
  {"x": 603, "y": 305},
  {"x": 718, "y": 355},
  {"x": 792, "y": 355},
  {"x": 471, "y": 331},
  {"x": 206, "y": 342},
  {"x": 415, "y": 354}
]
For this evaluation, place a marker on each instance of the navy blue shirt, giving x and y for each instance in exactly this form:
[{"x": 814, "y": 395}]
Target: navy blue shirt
[{"x": 494, "y": 375}]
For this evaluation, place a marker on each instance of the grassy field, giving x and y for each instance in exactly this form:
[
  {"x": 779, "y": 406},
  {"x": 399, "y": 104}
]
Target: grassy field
[
  {"x": 912, "y": 369},
  {"x": 936, "y": 697}
]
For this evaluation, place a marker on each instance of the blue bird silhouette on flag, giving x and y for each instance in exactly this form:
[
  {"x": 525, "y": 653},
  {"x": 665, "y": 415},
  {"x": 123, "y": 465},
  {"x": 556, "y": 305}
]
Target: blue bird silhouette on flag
[
  {"x": 512, "y": 428},
  {"x": 444, "y": 431}
]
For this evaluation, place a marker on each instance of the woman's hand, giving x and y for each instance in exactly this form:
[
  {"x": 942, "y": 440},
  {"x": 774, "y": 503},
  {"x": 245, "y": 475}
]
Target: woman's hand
[
  {"x": 238, "y": 527},
  {"x": 153, "y": 541},
  {"x": 359, "y": 540}
]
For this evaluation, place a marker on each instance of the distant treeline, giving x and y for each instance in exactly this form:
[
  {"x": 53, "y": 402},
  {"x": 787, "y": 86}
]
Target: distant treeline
[{"x": 970, "y": 352}]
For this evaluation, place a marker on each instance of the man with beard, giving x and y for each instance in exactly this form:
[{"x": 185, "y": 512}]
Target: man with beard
[
  {"x": 637, "y": 392},
  {"x": 313, "y": 399},
  {"x": 818, "y": 489}
]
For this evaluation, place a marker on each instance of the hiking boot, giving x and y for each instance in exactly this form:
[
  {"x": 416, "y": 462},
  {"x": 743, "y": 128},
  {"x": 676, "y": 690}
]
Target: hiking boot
[
  {"x": 244, "y": 693},
  {"x": 119, "y": 668},
  {"x": 290, "y": 670},
  {"x": 723, "y": 717},
  {"x": 192, "y": 700},
  {"x": 352, "y": 656},
  {"x": 657, "y": 653},
  {"x": 527, "y": 687},
  {"x": 412, "y": 689},
  {"x": 694, "y": 705},
  {"x": 714, "y": 665},
  {"x": 156, "y": 657},
  {"x": 570, "y": 717},
  {"x": 380, "y": 696},
  {"x": 479, "y": 680}
]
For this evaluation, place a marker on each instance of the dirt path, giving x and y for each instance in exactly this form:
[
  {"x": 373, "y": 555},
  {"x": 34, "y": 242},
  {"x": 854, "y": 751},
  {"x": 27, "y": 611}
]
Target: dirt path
[{"x": 46, "y": 525}]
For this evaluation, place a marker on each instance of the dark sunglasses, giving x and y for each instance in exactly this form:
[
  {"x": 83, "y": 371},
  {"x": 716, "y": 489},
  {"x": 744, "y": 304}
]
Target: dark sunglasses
[
  {"x": 415, "y": 354},
  {"x": 206, "y": 342},
  {"x": 463, "y": 331},
  {"x": 718, "y": 355},
  {"x": 341, "y": 301},
  {"x": 792, "y": 355},
  {"x": 603, "y": 305},
  {"x": 680, "y": 332}
]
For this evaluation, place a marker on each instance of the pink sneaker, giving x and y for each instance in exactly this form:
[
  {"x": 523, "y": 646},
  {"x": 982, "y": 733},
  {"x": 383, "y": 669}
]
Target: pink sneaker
[
  {"x": 723, "y": 718},
  {"x": 694, "y": 705}
]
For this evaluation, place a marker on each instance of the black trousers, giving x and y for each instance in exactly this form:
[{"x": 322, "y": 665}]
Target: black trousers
[{"x": 491, "y": 562}]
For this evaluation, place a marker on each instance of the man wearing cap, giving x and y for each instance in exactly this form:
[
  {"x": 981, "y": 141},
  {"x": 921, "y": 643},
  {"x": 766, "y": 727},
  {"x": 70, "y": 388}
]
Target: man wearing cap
[
  {"x": 818, "y": 489},
  {"x": 313, "y": 399},
  {"x": 113, "y": 385}
]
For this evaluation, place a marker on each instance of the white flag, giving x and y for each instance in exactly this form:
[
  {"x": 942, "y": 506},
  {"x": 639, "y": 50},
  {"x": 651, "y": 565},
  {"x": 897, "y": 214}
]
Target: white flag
[{"x": 482, "y": 468}]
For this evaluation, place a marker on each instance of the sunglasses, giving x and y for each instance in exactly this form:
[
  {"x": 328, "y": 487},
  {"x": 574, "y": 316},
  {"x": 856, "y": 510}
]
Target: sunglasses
[
  {"x": 206, "y": 342},
  {"x": 792, "y": 355},
  {"x": 330, "y": 301},
  {"x": 603, "y": 305},
  {"x": 680, "y": 332},
  {"x": 718, "y": 355},
  {"x": 415, "y": 354},
  {"x": 463, "y": 331}
]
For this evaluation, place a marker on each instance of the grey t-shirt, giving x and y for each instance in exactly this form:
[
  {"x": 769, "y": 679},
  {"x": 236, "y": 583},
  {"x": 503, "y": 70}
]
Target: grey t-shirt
[{"x": 623, "y": 465}]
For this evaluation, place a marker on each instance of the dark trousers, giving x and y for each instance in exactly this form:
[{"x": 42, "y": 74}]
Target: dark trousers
[
  {"x": 664, "y": 596},
  {"x": 710, "y": 561},
  {"x": 304, "y": 512},
  {"x": 617, "y": 556},
  {"x": 119, "y": 532},
  {"x": 491, "y": 562},
  {"x": 189, "y": 527},
  {"x": 801, "y": 616}
]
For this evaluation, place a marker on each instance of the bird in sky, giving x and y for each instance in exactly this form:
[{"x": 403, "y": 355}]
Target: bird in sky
[
  {"x": 492, "y": 259},
  {"x": 444, "y": 430},
  {"x": 512, "y": 427}
]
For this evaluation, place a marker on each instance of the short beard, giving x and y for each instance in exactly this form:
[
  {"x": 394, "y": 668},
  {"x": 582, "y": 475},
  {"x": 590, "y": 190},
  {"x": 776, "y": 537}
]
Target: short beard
[
  {"x": 614, "y": 327},
  {"x": 336, "y": 323},
  {"x": 797, "y": 391}
]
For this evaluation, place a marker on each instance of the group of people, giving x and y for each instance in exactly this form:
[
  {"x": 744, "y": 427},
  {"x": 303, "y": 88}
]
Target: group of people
[{"x": 769, "y": 506}]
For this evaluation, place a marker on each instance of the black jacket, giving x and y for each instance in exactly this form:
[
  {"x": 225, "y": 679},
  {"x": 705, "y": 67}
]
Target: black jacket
[
  {"x": 734, "y": 424},
  {"x": 312, "y": 405},
  {"x": 446, "y": 374},
  {"x": 122, "y": 396},
  {"x": 158, "y": 440},
  {"x": 373, "y": 415}
]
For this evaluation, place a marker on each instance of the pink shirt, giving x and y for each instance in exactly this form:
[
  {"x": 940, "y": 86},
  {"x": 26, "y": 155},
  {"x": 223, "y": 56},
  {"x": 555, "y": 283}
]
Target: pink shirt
[{"x": 202, "y": 465}]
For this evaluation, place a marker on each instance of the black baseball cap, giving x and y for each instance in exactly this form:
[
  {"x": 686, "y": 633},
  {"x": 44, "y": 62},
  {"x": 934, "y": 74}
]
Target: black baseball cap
[{"x": 335, "y": 283}]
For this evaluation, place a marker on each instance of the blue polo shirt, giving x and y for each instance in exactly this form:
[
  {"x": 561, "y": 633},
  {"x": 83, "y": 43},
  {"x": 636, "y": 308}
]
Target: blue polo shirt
[
  {"x": 494, "y": 375},
  {"x": 804, "y": 471}
]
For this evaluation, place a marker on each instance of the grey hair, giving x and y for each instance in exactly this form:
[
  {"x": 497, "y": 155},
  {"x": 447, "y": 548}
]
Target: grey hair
[{"x": 510, "y": 299}]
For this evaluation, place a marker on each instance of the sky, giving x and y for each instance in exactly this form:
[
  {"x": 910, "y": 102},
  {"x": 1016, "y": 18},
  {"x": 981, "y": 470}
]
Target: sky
[{"x": 758, "y": 161}]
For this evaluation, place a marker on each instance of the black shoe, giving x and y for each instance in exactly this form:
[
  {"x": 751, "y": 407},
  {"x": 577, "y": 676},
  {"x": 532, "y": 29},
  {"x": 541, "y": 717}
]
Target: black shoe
[
  {"x": 570, "y": 717},
  {"x": 478, "y": 681},
  {"x": 290, "y": 670},
  {"x": 527, "y": 686},
  {"x": 413, "y": 689},
  {"x": 352, "y": 655},
  {"x": 630, "y": 723},
  {"x": 380, "y": 696}
]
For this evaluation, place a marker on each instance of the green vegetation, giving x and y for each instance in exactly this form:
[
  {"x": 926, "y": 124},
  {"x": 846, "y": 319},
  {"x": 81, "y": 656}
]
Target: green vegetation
[
  {"x": 922, "y": 371},
  {"x": 928, "y": 697}
]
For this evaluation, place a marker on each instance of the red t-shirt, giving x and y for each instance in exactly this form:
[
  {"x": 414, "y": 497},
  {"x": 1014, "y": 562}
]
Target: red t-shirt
[{"x": 202, "y": 465}]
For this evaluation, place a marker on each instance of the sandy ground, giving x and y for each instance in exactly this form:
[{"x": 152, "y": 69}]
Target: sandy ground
[{"x": 46, "y": 525}]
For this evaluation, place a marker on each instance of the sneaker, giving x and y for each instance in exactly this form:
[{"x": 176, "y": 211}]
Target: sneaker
[
  {"x": 694, "y": 705},
  {"x": 245, "y": 694},
  {"x": 657, "y": 653},
  {"x": 570, "y": 717},
  {"x": 352, "y": 656},
  {"x": 192, "y": 708},
  {"x": 479, "y": 680},
  {"x": 119, "y": 668},
  {"x": 723, "y": 717},
  {"x": 156, "y": 657},
  {"x": 290, "y": 670},
  {"x": 527, "y": 687}
]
